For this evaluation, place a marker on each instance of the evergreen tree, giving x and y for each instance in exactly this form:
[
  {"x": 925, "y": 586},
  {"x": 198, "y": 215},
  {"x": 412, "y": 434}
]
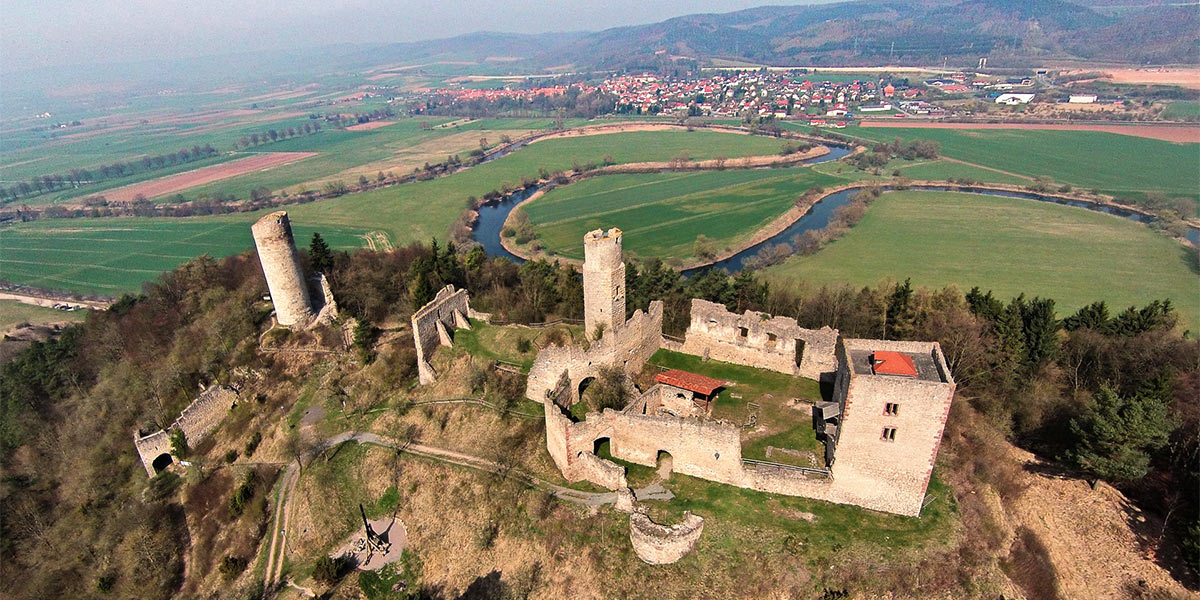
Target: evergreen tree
[
  {"x": 318, "y": 251},
  {"x": 1114, "y": 436},
  {"x": 1041, "y": 332},
  {"x": 179, "y": 443},
  {"x": 897, "y": 304},
  {"x": 1093, "y": 316}
]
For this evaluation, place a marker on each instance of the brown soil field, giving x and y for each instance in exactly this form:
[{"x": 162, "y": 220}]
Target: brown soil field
[
  {"x": 183, "y": 181},
  {"x": 1188, "y": 78},
  {"x": 370, "y": 125},
  {"x": 1167, "y": 133}
]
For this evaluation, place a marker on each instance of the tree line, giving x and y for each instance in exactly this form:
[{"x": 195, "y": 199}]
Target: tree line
[{"x": 80, "y": 177}]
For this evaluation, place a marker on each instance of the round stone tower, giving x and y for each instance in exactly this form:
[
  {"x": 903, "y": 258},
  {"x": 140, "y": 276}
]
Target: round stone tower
[
  {"x": 285, "y": 278},
  {"x": 603, "y": 281}
]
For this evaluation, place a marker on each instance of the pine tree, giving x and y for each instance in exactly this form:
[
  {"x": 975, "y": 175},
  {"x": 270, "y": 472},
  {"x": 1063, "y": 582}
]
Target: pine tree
[
  {"x": 318, "y": 251},
  {"x": 1115, "y": 435}
]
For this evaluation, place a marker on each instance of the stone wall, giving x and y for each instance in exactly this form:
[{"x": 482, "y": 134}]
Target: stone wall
[
  {"x": 432, "y": 324},
  {"x": 759, "y": 340},
  {"x": 889, "y": 475},
  {"x": 197, "y": 421},
  {"x": 285, "y": 279},
  {"x": 661, "y": 545},
  {"x": 709, "y": 450},
  {"x": 629, "y": 346}
]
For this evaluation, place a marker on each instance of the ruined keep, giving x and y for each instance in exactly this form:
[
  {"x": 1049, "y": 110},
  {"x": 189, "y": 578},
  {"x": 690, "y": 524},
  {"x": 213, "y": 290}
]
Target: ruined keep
[
  {"x": 433, "y": 323},
  {"x": 603, "y": 282},
  {"x": 893, "y": 399},
  {"x": 197, "y": 421},
  {"x": 759, "y": 340},
  {"x": 281, "y": 266}
]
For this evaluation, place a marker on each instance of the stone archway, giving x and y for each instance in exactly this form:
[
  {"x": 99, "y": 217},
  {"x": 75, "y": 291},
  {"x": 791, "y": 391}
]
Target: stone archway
[
  {"x": 583, "y": 386},
  {"x": 161, "y": 462},
  {"x": 664, "y": 464}
]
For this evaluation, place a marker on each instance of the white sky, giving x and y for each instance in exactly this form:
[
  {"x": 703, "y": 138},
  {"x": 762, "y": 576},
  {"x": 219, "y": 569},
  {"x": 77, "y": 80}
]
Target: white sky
[{"x": 39, "y": 33}]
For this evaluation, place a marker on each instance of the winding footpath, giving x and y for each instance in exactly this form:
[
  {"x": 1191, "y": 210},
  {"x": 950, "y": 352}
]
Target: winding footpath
[{"x": 278, "y": 548}]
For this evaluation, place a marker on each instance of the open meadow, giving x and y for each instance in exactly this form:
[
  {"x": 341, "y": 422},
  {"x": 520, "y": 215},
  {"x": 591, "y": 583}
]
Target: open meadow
[
  {"x": 13, "y": 313},
  {"x": 1006, "y": 245},
  {"x": 662, "y": 214},
  {"x": 1121, "y": 165}
]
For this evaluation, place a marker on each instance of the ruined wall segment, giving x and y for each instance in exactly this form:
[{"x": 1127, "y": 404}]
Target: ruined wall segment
[
  {"x": 281, "y": 266},
  {"x": 759, "y": 340},
  {"x": 432, "y": 324},
  {"x": 603, "y": 282},
  {"x": 197, "y": 421},
  {"x": 890, "y": 426},
  {"x": 662, "y": 545}
]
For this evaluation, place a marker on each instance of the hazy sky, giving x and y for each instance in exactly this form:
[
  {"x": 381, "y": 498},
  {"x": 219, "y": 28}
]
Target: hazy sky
[{"x": 38, "y": 33}]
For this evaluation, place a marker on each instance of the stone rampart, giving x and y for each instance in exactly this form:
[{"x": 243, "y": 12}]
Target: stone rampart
[
  {"x": 285, "y": 279},
  {"x": 661, "y": 545},
  {"x": 197, "y": 421},
  {"x": 432, "y": 323},
  {"x": 629, "y": 346},
  {"x": 759, "y": 340},
  {"x": 709, "y": 450}
]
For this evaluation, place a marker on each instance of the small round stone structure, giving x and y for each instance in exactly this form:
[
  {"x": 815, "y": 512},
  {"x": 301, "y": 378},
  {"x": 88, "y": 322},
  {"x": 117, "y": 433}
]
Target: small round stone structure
[
  {"x": 285, "y": 278},
  {"x": 661, "y": 545}
]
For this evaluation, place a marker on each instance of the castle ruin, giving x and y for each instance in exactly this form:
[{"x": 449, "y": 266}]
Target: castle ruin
[
  {"x": 881, "y": 431},
  {"x": 197, "y": 421},
  {"x": 433, "y": 323}
]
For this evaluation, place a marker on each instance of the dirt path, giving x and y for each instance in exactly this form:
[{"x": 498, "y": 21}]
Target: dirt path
[
  {"x": 50, "y": 302},
  {"x": 994, "y": 170},
  {"x": 279, "y": 528}
]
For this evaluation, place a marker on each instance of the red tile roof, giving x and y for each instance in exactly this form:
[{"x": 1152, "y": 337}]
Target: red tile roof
[
  {"x": 689, "y": 381},
  {"x": 893, "y": 363}
]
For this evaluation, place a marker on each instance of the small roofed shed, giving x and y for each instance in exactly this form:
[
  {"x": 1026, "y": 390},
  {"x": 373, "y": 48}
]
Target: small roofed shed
[{"x": 703, "y": 388}]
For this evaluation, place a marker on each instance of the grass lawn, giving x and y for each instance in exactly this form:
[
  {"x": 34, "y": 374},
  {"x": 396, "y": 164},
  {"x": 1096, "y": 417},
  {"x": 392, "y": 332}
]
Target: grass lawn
[
  {"x": 15, "y": 313},
  {"x": 663, "y": 213},
  {"x": 497, "y": 342},
  {"x": 1007, "y": 245},
  {"x": 1121, "y": 165},
  {"x": 1183, "y": 110}
]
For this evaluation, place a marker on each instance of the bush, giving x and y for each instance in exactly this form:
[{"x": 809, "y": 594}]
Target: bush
[
  {"x": 524, "y": 345},
  {"x": 232, "y": 566},
  {"x": 252, "y": 443},
  {"x": 179, "y": 443},
  {"x": 242, "y": 495},
  {"x": 330, "y": 570},
  {"x": 231, "y": 456}
]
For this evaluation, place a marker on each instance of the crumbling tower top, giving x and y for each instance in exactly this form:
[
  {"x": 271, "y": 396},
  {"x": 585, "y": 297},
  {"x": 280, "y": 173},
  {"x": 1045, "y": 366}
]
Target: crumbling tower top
[
  {"x": 281, "y": 266},
  {"x": 603, "y": 281}
]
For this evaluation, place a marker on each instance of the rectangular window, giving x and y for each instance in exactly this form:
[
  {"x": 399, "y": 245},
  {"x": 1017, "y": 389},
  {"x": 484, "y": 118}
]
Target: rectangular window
[
  {"x": 771, "y": 338},
  {"x": 891, "y": 409},
  {"x": 889, "y": 434},
  {"x": 743, "y": 332}
]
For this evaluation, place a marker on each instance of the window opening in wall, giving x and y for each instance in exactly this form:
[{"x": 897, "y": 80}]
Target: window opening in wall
[
  {"x": 616, "y": 291},
  {"x": 799, "y": 351},
  {"x": 743, "y": 332},
  {"x": 771, "y": 339},
  {"x": 891, "y": 408},
  {"x": 889, "y": 434}
]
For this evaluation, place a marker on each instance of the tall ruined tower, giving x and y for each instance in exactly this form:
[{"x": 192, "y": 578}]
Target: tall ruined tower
[
  {"x": 603, "y": 281},
  {"x": 285, "y": 278}
]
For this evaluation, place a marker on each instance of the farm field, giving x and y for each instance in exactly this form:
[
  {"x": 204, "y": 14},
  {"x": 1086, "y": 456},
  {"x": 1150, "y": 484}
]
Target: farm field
[
  {"x": 13, "y": 313},
  {"x": 1006, "y": 245},
  {"x": 113, "y": 256},
  {"x": 663, "y": 213},
  {"x": 1167, "y": 133},
  {"x": 1116, "y": 164},
  {"x": 110, "y": 256},
  {"x": 188, "y": 179}
]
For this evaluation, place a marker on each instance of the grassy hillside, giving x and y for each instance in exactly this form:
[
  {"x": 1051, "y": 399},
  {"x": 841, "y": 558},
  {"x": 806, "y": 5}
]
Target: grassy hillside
[
  {"x": 663, "y": 213},
  {"x": 1007, "y": 245},
  {"x": 15, "y": 313}
]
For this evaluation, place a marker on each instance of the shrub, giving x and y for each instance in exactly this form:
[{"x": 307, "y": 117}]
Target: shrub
[
  {"x": 179, "y": 443},
  {"x": 252, "y": 443},
  {"x": 232, "y": 566},
  {"x": 329, "y": 569},
  {"x": 524, "y": 345},
  {"x": 231, "y": 456},
  {"x": 242, "y": 495}
]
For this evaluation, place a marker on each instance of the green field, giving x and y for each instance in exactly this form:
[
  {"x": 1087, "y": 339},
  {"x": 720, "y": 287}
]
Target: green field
[
  {"x": 1121, "y": 165},
  {"x": 110, "y": 256},
  {"x": 1185, "y": 110},
  {"x": 1007, "y": 245},
  {"x": 15, "y": 313},
  {"x": 663, "y": 213}
]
